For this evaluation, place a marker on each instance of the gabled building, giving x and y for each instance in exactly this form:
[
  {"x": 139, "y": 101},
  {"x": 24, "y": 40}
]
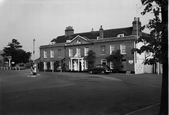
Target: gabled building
[{"x": 73, "y": 47}]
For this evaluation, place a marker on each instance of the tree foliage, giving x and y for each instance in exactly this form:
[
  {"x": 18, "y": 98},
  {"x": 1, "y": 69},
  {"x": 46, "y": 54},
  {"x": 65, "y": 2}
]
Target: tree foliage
[
  {"x": 18, "y": 55},
  {"x": 157, "y": 43},
  {"x": 56, "y": 65},
  {"x": 41, "y": 66},
  {"x": 91, "y": 58},
  {"x": 116, "y": 59},
  {"x": 153, "y": 43}
]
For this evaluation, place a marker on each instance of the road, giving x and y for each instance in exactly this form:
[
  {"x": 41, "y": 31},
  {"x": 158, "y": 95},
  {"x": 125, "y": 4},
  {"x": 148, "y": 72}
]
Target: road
[{"x": 76, "y": 93}]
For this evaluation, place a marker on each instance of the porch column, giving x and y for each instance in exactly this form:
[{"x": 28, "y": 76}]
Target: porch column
[
  {"x": 71, "y": 64},
  {"x": 82, "y": 64},
  {"x": 78, "y": 64}
]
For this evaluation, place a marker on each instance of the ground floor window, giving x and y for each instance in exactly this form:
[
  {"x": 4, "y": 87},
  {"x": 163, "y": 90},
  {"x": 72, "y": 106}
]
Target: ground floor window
[
  {"x": 52, "y": 65},
  {"x": 111, "y": 65},
  {"x": 104, "y": 61},
  {"x": 85, "y": 64}
]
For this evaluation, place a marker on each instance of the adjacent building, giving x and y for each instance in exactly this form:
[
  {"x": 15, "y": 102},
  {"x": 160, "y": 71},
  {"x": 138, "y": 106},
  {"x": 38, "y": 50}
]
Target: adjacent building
[{"x": 74, "y": 47}]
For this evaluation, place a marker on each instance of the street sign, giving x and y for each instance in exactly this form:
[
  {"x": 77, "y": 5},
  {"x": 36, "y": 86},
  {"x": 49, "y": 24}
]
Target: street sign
[{"x": 9, "y": 57}]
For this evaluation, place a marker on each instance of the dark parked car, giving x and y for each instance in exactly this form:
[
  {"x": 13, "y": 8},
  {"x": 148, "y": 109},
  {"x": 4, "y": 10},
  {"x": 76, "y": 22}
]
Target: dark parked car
[{"x": 100, "y": 68}]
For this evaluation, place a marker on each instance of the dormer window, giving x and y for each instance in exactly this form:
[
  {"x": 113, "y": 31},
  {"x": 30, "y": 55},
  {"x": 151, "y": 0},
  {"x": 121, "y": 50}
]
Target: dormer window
[{"x": 120, "y": 35}]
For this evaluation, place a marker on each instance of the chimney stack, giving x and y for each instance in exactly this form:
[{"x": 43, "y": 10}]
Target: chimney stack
[
  {"x": 69, "y": 31},
  {"x": 136, "y": 26},
  {"x": 101, "y": 33}
]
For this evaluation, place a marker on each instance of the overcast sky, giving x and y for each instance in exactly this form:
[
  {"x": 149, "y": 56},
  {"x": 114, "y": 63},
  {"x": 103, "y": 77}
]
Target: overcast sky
[{"x": 44, "y": 20}]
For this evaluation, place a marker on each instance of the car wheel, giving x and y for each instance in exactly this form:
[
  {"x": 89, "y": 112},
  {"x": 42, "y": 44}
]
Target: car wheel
[{"x": 91, "y": 72}]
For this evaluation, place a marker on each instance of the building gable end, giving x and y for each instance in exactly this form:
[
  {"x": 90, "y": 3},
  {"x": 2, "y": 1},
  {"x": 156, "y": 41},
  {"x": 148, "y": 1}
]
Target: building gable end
[{"x": 78, "y": 40}]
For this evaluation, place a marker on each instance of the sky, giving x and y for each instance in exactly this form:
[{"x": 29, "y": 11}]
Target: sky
[{"x": 44, "y": 20}]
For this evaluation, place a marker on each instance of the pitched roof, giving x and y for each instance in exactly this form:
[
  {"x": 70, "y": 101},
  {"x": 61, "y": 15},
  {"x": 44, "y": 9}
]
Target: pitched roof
[{"x": 94, "y": 34}]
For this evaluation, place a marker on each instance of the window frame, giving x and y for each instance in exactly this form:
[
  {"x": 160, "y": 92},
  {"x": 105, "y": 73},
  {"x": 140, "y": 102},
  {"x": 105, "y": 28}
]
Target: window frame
[
  {"x": 51, "y": 54},
  {"x": 103, "y": 61},
  {"x": 111, "y": 65},
  {"x": 112, "y": 47},
  {"x": 78, "y": 52},
  {"x": 45, "y": 54},
  {"x": 70, "y": 52},
  {"x": 86, "y": 50},
  {"x": 101, "y": 50},
  {"x": 122, "y": 49}
]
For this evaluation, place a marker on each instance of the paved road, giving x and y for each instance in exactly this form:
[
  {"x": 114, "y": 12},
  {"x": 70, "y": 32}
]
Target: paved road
[{"x": 76, "y": 93}]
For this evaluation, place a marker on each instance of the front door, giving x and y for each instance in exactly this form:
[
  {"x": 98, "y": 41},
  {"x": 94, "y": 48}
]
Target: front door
[{"x": 80, "y": 66}]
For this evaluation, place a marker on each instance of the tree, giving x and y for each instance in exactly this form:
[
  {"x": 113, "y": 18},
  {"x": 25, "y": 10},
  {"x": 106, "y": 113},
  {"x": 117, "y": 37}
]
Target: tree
[
  {"x": 116, "y": 59},
  {"x": 157, "y": 43},
  {"x": 18, "y": 55},
  {"x": 56, "y": 65},
  {"x": 91, "y": 59},
  {"x": 41, "y": 66}
]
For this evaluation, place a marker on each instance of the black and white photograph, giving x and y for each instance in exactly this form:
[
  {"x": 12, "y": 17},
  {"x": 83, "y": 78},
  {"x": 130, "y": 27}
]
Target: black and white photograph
[{"x": 84, "y": 57}]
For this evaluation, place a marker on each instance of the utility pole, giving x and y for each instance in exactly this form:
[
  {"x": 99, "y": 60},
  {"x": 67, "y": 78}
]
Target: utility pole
[{"x": 33, "y": 50}]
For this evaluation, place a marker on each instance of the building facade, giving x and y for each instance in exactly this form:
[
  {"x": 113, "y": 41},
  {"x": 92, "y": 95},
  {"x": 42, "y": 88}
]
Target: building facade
[{"x": 74, "y": 47}]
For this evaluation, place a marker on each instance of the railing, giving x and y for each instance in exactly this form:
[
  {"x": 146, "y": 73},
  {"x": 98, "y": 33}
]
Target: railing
[{"x": 10, "y": 68}]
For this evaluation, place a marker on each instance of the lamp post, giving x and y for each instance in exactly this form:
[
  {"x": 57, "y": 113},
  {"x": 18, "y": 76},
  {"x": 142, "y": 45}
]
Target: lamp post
[
  {"x": 33, "y": 50},
  {"x": 9, "y": 59}
]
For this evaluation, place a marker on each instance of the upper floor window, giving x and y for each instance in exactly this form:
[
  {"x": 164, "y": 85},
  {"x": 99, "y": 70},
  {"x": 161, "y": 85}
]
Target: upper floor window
[
  {"x": 112, "y": 48},
  {"x": 70, "y": 52},
  {"x": 103, "y": 49},
  {"x": 45, "y": 54},
  {"x": 59, "y": 52},
  {"x": 78, "y": 52},
  {"x": 86, "y": 49},
  {"x": 51, "y": 53},
  {"x": 123, "y": 49}
]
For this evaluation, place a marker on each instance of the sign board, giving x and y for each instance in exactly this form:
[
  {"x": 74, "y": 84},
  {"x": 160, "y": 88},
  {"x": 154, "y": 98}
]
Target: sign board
[
  {"x": 130, "y": 61},
  {"x": 9, "y": 57}
]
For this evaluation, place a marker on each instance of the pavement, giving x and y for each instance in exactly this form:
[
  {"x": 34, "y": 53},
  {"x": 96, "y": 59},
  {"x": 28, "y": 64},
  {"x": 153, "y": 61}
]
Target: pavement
[
  {"x": 150, "y": 110},
  {"x": 80, "y": 92}
]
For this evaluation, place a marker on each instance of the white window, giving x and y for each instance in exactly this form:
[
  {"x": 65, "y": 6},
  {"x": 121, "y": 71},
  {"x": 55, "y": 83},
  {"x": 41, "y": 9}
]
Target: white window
[
  {"x": 51, "y": 53},
  {"x": 45, "y": 54},
  {"x": 85, "y": 64},
  {"x": 86, "y": 49},
  {"x": 69, "y": 65},
  {"x": 104, "y": 61},
  {"x": 123, "y": 49},
  {"x": 70, "y": 52},
  {"x": 103, "y": 50},
  {"x": 52, "y": 65},
  {"x": 78, "y": 52},
  {"x": 111, "y": 65},
  {"x": 45, "y": 65},
  {"x": 120, "y": 35},
  {"x": 112, "y": 48}
]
